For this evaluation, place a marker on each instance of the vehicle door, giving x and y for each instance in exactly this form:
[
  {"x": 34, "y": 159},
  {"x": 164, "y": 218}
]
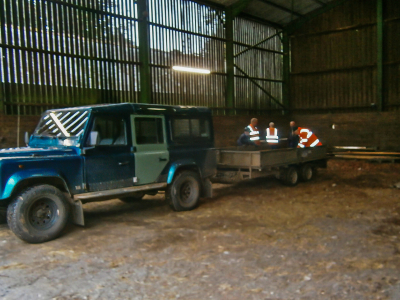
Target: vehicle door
[
  {"x": 150, "y": 147},
  {"x": 109, "y": 162}
]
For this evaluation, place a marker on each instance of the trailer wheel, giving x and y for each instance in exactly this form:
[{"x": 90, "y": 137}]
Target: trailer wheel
[
  {"x": 291, "y": 176},
  {"x": 184, "y": 192},
  {"x": 38, "y": 214},
  {"x": 134, "y": 198},
  {"x": 306, "y": 172}
]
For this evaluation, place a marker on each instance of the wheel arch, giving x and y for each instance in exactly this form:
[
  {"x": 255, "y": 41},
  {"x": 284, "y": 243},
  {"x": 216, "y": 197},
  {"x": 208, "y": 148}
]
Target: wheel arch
[
  {"x": 180, "y": 166},
  {"x": 19, "y": 182}
]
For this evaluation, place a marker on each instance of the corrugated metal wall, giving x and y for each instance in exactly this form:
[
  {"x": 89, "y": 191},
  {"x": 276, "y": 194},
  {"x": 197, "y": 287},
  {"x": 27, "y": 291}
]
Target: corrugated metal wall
[
  {"x": 67, "y": 53},
  {"x": 392, "y": 57},
  {"x": 263, "y": 64},
  {"x": 188, "y": 34},
  {"x": 58, "y": 53},
  {"x": 334, "y": 59}
]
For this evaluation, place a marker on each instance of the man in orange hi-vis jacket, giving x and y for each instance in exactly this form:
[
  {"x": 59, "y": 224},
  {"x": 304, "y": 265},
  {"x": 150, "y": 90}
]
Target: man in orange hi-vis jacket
[{"x": 307, "y": 138}]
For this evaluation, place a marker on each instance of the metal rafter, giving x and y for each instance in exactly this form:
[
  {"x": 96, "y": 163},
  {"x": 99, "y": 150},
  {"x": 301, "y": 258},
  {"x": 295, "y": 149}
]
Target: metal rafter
[
  {"x": 281, "y": 8},
  {"x": 319, "y": 2},
  {"x": 259, "y": 43},
  {"x": 238, "y": 6},
  {"x": 296, "y": 24}
]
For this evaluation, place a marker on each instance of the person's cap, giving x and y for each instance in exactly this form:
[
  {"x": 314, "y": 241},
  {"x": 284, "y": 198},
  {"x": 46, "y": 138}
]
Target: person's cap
[{"x": 247, "y": 129}]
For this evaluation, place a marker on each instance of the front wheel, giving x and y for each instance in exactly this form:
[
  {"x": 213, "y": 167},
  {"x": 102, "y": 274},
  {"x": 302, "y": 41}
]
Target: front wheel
[
  {"x": 184, "y": 192},
  {"x": 38, "y": 214}
]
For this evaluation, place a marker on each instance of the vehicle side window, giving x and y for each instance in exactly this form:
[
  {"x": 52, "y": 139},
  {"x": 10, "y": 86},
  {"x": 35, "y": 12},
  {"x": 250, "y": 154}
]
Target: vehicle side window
[
  {"x": 149, "y": 131},
  {"x": 107, "y": 131},
  {"x": 189, "y": 130}
]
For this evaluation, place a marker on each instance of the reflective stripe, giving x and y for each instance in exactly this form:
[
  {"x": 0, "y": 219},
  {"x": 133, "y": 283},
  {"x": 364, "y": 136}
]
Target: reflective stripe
[
  {"x": 316, "y": 142},
  {"x": 303, "y": 141},
  {"x": 301, "y": 145},
  {"x": 272, "y": 138},
  {"x": 309, "y": 133},
  {"x": 253, "y": 132}
]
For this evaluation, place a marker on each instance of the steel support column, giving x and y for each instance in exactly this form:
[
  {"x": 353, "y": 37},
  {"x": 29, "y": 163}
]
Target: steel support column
[
  {"x": 286, "y": 70},
  {"x": 230, "y": 61},
  {"x": 144, "y": 52},
  {"x": 230, "y": 13},
  {"x": 380, "y": 32}
]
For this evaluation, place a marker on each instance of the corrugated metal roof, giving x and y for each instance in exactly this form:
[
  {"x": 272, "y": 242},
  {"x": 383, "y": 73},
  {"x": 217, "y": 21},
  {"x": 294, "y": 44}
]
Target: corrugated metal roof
[{"x": 280, "y": 12}]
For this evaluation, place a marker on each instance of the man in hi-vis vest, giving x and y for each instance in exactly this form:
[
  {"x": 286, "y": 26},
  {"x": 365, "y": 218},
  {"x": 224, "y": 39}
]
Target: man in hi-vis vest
[
  {"x": 254, "y": 133},
  {"x": 272, "y": 136},
  {"x": 307, "y": 138}
]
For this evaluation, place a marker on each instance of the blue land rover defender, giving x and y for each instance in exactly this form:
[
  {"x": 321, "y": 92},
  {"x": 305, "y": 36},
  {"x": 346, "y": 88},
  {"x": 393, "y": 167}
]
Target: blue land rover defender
[{"x": 125, "y": 151}]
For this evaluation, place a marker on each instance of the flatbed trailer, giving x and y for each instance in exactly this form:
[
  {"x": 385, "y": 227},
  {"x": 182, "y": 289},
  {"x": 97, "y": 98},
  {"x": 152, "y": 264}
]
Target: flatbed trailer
[{"x": 289, "y": 165}]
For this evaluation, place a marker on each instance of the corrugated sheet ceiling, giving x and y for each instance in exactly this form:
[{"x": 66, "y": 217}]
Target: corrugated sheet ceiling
[{"x": 280, "y": 12}]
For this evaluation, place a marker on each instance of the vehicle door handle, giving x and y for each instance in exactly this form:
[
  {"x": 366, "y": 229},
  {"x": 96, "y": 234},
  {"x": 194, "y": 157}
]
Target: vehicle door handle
[
  {"x": 123, "y": 163},
  {"x": 162, "y": 159}
]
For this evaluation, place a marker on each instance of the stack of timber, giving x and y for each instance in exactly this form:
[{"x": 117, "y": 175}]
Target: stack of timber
[{"x": 364, "y": 153}]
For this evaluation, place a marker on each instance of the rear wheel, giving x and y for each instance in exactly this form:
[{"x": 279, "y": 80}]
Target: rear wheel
[
  {"x": 184, "y": 192},
  {"x": 291, "y": 176},
  {"x": 306, "y": 172},
  {"x": 38, "y": 214}
]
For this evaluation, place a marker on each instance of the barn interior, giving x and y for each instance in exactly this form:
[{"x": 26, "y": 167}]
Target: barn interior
[{"x": 330, "y": 65}]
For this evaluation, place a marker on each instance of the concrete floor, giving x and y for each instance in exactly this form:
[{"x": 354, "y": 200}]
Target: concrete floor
[{"x": 336, "y": 237}]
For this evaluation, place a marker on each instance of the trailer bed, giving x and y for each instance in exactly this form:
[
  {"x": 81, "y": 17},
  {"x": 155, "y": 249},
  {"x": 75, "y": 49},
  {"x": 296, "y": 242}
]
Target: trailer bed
[
  {"x": 242, "y": 163},
  {"x": 262, "y": 159}
]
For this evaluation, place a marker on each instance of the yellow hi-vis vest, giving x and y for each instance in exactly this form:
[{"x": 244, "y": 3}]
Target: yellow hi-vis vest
[{"x": 272, "y": 135}]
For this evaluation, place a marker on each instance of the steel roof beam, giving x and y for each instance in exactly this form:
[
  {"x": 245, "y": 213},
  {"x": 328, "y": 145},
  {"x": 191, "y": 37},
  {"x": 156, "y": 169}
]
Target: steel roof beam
[
  {"x": 237, "y": 7},
  {"x": 319, "y": 2},
  {"x": 262, "y": 21},
  {"x": 281, "y": 8},
  {"x": 259, "y": 43},
  {"x": 296, "y": 24}
]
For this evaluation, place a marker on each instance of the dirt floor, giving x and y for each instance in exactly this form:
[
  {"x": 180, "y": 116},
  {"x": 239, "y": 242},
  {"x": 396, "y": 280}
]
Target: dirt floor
[{"x": 336, "y": 237}]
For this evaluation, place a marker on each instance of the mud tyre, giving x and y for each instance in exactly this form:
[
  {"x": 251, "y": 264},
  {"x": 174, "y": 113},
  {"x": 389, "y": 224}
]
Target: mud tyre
[
  {"x": 38, "y": 214},
  {"x": 291, "y": 176},
  {"x": 184, "y": 192},
  {"x": 132, "y": 199},
  {"x": 306, "y": 173}
]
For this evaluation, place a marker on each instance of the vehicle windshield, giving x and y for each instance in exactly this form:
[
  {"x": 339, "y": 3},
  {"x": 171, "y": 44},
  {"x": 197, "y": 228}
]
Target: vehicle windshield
[{"x": 66, "y": 126}]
